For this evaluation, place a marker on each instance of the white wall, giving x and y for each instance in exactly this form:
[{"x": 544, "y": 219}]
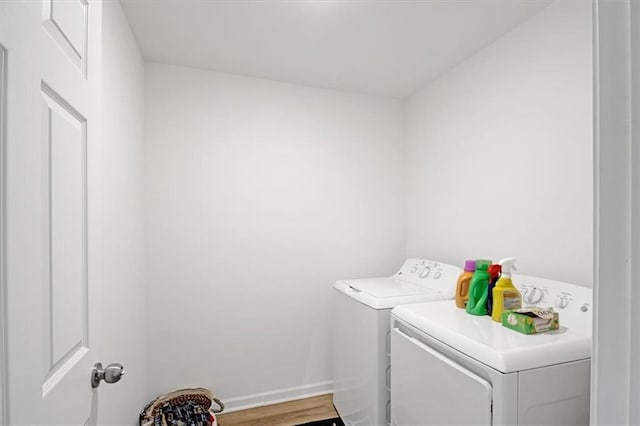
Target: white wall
[
  {"x": 123, "y": 297},
  {"x": 259, "y": 195},
  {"x": 499, "y": 152}
]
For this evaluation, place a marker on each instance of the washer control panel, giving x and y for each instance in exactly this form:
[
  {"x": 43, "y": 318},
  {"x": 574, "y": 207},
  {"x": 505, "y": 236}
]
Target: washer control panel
[{"x": 429, "y": 273}]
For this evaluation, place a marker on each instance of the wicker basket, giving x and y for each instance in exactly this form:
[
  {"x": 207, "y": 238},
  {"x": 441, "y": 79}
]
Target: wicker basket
[{"x": 182, "y": 407}]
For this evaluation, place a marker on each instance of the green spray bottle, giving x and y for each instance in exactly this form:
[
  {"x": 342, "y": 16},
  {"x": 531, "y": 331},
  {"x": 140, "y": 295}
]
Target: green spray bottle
[{"x": 478, "y": 289}]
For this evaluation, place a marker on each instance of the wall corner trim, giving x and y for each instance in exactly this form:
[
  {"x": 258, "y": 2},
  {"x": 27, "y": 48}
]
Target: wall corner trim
[
  {"x": 616, "y": 341},
  {"x": 4, "y": 406}
]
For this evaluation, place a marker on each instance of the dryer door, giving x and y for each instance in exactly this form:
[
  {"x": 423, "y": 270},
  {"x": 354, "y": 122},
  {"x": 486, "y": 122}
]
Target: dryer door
[{"x": 427, "y": 388}]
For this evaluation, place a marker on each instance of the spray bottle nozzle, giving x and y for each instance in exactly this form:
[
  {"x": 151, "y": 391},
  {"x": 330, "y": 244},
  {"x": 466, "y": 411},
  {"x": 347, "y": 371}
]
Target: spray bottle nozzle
[{"x": 508, "y": 264}]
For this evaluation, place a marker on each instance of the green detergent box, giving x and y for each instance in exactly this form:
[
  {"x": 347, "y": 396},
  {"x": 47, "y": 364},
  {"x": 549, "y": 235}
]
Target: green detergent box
[{"x": 531, "y": 320}]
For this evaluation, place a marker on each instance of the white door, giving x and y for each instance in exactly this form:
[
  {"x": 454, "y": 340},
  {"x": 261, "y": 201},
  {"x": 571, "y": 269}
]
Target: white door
[
  {"x": 427, "y": 388},
  {"x": 52, "y": 54}
]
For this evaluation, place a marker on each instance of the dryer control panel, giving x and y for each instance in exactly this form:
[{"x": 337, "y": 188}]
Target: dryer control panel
[{"x": 573, "y": 302}]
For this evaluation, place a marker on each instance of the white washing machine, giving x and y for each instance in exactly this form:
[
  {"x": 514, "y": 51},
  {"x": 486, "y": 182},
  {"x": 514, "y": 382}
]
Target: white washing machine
[
  {"x": 448, "y": 367},
  {"x": 361, "y": 312}
]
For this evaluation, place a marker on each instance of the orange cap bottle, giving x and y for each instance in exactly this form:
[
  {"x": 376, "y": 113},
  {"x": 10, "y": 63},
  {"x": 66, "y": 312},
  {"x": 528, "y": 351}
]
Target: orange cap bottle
[{"x": 462, "y": 287}]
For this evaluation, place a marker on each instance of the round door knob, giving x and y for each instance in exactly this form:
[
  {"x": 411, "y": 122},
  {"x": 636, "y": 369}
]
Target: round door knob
[{"x": 112, "y": 374}]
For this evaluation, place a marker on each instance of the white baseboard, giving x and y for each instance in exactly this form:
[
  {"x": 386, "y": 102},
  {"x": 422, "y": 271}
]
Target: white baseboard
[{"x": 277, "y": 396}]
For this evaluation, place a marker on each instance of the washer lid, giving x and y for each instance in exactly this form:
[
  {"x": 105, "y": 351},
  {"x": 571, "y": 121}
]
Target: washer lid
[
  {"x": 385, "y": 293},
  {"x": 494, "y": 345}
]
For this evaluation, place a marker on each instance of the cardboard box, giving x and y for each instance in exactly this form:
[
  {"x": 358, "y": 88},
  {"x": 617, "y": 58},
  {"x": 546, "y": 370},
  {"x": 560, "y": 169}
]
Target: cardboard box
[{"x": 531, "y": 320}]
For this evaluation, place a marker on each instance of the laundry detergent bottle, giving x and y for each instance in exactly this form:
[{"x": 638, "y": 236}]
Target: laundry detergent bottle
[
  {"x": 462, "y": 288},
  {"x": 478, "y": 289},
  {"x": 494, "y": 274},
  {"x": 505, "y": 295}
]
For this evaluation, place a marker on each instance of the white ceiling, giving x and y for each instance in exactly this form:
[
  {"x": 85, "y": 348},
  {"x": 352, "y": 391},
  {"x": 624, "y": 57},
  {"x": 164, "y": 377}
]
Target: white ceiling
[{"x": 389, "y": 48}]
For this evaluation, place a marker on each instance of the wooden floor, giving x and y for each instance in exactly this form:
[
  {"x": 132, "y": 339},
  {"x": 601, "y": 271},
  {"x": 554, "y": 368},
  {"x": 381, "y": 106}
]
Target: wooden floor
[{"x": 284, "y": 414}]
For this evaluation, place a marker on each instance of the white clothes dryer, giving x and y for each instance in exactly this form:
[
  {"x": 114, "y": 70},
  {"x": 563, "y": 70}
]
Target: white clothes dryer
[
  {"x": 361, "y": 312},
  {"x": 449, "y": 367}
]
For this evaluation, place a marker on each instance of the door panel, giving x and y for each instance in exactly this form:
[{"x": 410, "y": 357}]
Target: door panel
[
  {"x": 64, "y": 140},
  {"x": 66, "y": 22},
  {"x": 429, "y": 389},
  {"x": 53, "y": 110}
]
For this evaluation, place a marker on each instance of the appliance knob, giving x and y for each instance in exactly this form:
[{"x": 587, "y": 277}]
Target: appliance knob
[
  {"x": 584, "y": 308},
  {"x": 425, "y": 272},
  {"x": 414, "y": 269},
  {"x": 533, "y": 296},
  {"x": 562, "y": 302},
  {"x": 437, "y": 275}
]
